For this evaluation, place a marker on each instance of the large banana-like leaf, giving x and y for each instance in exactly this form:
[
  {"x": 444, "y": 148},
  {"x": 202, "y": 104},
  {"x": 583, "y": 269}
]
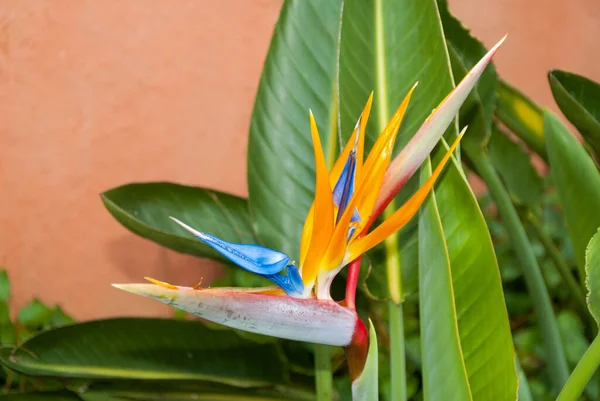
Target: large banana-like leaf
[
  {"x": 404, "y": 45},
  {"x": 577, "y": 182},
  {"x": 148, "y": 349},
  {"x": 444, "y": 370},
  {"x": 579, "y": 100},
  {"x": 144, "y": 208},
  {"x": 299, "y": 74},
  {"x": 483, "y": 323}
]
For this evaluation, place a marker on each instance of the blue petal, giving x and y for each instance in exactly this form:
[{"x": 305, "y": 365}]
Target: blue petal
[
  {"x": 292, "y": 283},
  {"x": 254, "y": 258},
  {"x": 344, "y": 187}
]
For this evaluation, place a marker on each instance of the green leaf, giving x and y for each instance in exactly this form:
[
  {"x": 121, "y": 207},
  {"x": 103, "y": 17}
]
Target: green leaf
[
  {"x": 150, "y": 349},
  {"x": 366, "y": 387},
  {"x": 34, "y": 315},
  {"x": 588, "y": 364},
  {"x": 386, "y": 47},
  {"x": 298, "y": 75},
  {"x": 577, "y": 182},
  {"x": 144, "y": 208},
  {"x": 522, "y": 116},
  {"x": 514, "y": 165},
  {"x": 593, "y": 276},
  {"x": 483, "y": 324},
  {"x": 579, "y": 100},
  {"x": 444, "y": 370}
]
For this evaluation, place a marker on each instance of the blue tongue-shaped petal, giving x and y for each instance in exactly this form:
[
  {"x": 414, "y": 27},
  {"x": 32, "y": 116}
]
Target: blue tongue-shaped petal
[
  {"x": 254, "y": 258},
  {"x": 291, "y": 283}
]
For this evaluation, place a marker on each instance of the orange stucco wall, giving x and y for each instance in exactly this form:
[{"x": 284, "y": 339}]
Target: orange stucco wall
[{"x": 100, "y": 93}]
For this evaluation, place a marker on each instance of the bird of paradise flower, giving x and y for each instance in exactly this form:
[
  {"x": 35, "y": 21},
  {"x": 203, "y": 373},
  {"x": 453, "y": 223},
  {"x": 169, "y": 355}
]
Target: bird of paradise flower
[{"x": 347, "y": 201}]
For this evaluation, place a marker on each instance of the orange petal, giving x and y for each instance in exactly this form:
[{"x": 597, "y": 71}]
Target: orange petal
[
  {"x": 428, "y": 135},
  {"x": 323, "y": 215},
  {"x": 397, "y": 220},
  {"x": 337, "y": 169},
  {"x": 378, "y": 160}
]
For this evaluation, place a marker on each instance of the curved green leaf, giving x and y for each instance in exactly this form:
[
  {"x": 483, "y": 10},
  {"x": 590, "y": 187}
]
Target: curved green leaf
[
  {"x": 522, "y": 116},
  {"x": 144, "y": 208},
  {"x": 577, "y": 182},
  {"x": 298, "y": 75},
  {"x": 444, "y": 370},
  {"x": 148, "y": 349},
  {"x": 386, "y": 47},
  {"x": 579, "y": 100},
  {"x": 366, "y": 386},
  {"x": 593, "y": 276},
  {"x": 483, "y": 324},
  {"x": 590, "y": 361}
]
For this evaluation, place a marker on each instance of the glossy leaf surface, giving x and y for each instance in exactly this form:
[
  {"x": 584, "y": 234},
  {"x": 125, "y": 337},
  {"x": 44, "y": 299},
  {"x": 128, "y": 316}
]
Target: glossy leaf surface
[
  {"x": 593, "y": 276},
  {"x": 579, "y": 100},
  {"x": 298, "y": 75},
  {"x": 406, "y": 45},
  {"x": 444, "y": 370},
  {"x": 150, "y": 349},
  {"x": 365, "y": 387},
  {"x": 577, "y": 182},
  {"x": 144, "y": 208}
]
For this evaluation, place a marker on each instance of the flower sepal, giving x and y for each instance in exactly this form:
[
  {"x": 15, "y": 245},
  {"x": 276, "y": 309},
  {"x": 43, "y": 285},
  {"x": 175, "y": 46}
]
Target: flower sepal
[{"x": 266, "y": 311}]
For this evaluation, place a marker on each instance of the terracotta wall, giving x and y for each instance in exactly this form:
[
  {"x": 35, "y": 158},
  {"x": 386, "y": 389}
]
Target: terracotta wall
[{"x": 100, "y": 93}]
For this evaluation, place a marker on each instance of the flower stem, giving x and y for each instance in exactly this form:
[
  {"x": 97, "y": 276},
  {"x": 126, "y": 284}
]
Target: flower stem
[
  {"x": 323, "y": 375},
  {"x": 397, "y": 349},
  {"x": 556, "y": 361},
  {"x": 582, "y": 374},
  {"x": 558, "y": 261},
  {"x": 352, "y": 282}
]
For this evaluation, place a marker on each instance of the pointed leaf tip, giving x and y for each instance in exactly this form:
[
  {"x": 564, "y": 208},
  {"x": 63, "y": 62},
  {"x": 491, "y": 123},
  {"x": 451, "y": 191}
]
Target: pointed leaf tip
[{"x": 366, "y": 386}]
